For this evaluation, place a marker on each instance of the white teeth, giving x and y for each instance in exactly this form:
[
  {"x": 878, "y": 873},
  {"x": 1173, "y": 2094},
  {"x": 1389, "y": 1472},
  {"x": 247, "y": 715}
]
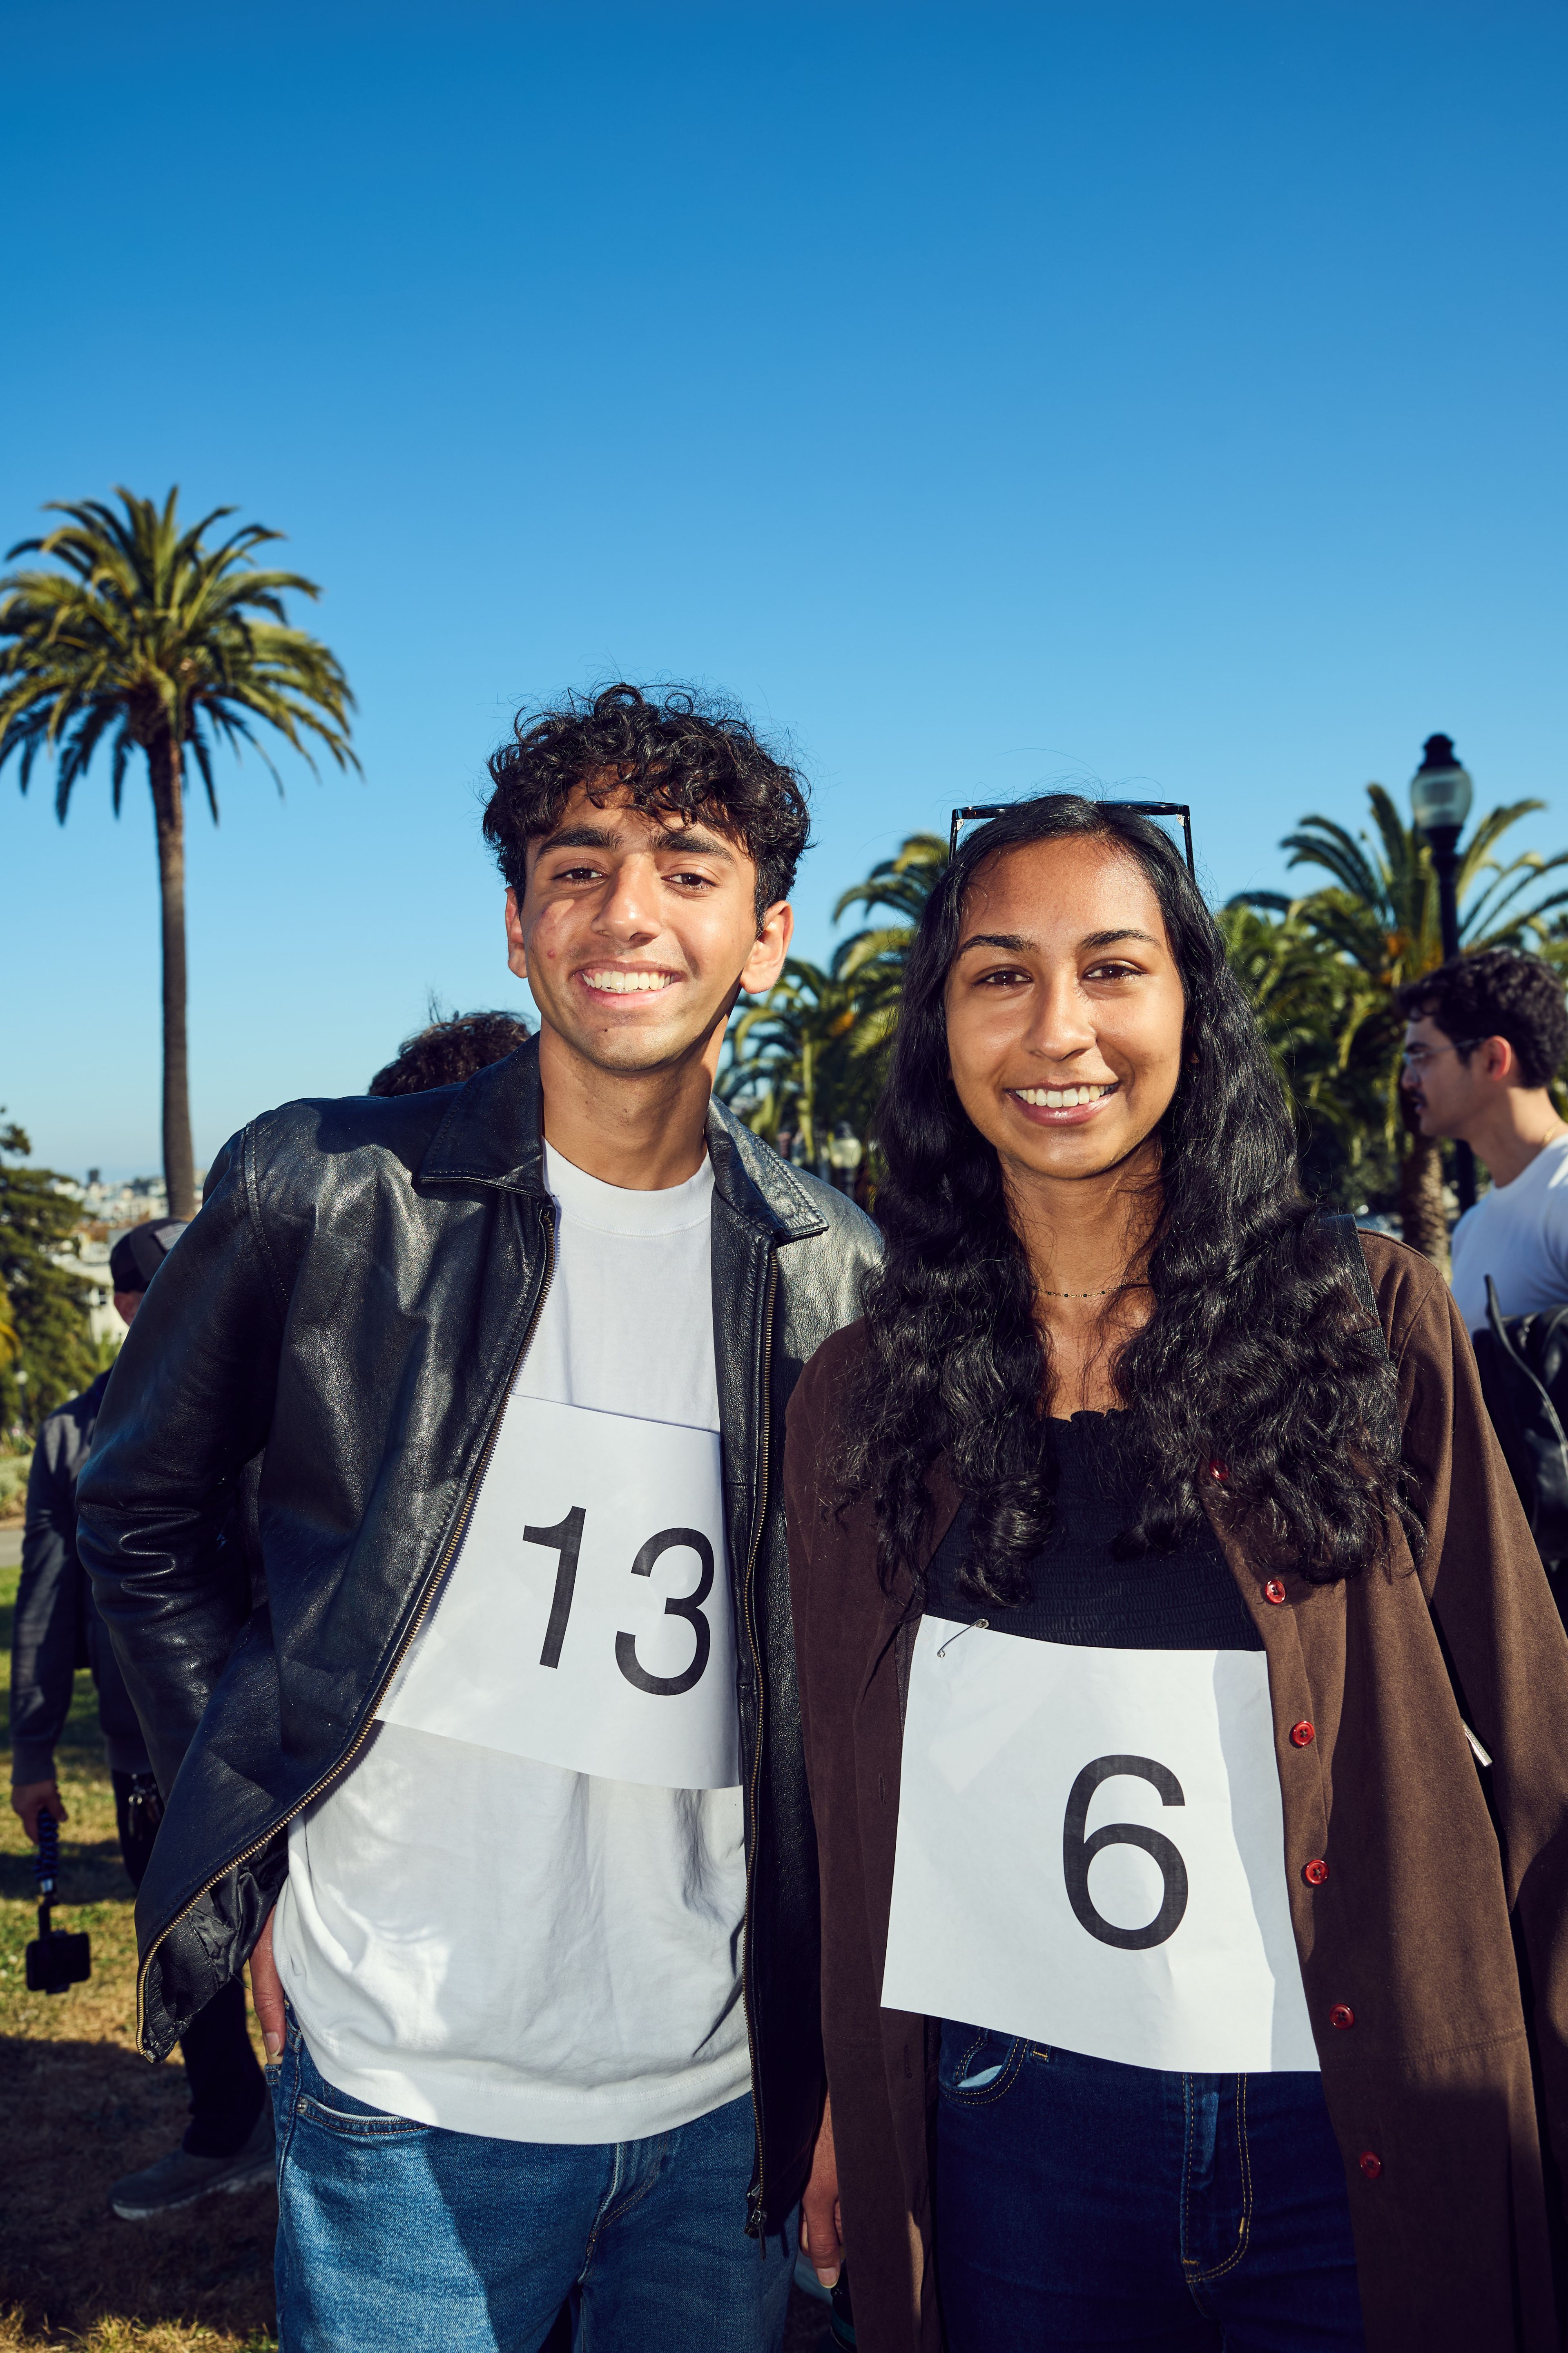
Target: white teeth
[
  {"x": 1061, "y": 1098},
  {"x": 626, "y": 984}
]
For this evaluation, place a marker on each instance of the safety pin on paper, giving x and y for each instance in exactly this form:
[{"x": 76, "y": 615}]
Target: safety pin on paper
[{"x": 975, "y": 1623}]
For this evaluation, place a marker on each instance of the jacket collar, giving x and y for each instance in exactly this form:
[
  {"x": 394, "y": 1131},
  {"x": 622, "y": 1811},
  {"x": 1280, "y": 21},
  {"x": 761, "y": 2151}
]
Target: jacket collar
[{"x": 491, "y": 1134}]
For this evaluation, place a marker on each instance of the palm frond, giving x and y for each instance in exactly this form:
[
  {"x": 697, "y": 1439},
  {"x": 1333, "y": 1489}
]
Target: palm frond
[{"x": 161, "y": 632}]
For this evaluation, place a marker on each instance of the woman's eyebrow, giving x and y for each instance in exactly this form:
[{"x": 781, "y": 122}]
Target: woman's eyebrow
[{"x": 1015, "y": 942}]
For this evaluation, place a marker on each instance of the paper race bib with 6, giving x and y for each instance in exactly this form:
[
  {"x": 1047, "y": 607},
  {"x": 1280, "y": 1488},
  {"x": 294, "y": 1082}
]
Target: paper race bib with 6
[
  {"x": 1090, "y": 1852},
  {"x": 587, "y": 1622}
]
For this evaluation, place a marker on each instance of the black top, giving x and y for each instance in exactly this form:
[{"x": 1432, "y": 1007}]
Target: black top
[{"x": 1181, "y": 1601}]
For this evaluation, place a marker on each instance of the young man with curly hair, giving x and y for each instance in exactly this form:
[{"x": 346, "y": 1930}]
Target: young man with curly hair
[
  {"x": 1484, "y": 1037},
  {"x": 505, "y": 1786}
]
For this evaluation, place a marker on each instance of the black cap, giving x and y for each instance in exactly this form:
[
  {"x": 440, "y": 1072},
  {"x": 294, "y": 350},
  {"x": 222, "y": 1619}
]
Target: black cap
[{"x": 137, "y": 1255}]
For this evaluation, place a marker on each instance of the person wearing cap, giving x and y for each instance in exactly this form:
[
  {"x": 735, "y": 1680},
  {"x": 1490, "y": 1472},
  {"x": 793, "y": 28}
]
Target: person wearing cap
[{"x": 228, "y": 2142}]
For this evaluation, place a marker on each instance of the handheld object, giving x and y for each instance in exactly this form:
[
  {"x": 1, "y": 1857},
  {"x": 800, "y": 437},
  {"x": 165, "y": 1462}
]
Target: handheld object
[{"x": 56, "y": 1958}]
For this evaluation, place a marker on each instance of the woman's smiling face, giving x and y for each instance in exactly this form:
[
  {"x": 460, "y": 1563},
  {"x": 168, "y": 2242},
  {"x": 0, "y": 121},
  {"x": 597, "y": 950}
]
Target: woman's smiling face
[{"x": 1065, "y": 1009}]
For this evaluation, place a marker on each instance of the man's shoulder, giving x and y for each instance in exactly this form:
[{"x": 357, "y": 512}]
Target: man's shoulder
[
  {"x": 306, "y": 1152},
  {"x": 325, "y": 1125},
  {"x": 64, "y": 1437},
  {"x": 69, "y": 1421},
  {"x": 846, "y": 1222},
  {"x": 484, "y": 1126},
  {"x": 804, "y": 1209},
  {"x": 1550, "y": 1165}
]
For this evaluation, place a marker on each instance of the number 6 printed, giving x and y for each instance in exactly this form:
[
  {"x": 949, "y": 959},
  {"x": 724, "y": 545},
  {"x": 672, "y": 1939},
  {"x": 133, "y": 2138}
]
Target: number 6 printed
[{"x": 1078, "y": 1852}]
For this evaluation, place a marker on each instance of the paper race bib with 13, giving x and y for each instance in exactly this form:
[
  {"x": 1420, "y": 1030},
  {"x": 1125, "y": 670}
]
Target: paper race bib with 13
[
  {"x": 1090, "y": 1852},
  {"x": 587, "y": 1622}
]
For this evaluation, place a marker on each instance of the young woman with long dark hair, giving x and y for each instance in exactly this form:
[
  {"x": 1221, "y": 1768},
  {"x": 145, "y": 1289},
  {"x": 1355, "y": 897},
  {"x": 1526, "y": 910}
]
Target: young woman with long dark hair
[{"x": 1184, "y": 1701}]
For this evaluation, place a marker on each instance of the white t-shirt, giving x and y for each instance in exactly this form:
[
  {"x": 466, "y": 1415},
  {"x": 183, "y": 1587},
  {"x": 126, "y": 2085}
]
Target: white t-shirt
[
  {"x": 1518, "y": 1234},
  {"x": 479, "y": 1937}
]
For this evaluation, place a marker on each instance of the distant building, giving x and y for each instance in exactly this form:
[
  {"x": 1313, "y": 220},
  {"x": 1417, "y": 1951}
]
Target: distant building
[{"x": 107, "y": 1212}]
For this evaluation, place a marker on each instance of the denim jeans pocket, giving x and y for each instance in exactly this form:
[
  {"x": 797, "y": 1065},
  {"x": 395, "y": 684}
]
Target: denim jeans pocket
[
  {"x": 314, "y": 2101},
  {"x": 352, "y": 2120},
  {"x": 978, "y": 2066}
]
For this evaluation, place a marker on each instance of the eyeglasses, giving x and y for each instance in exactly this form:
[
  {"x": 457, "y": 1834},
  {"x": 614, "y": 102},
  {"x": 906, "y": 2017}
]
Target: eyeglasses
[
  {"x": 1415, "y": 1058},
  {"x": 982, "y": 809}
]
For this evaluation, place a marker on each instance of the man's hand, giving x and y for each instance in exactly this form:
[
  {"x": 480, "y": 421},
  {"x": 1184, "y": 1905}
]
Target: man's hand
[
  {"x": 30, "y": 1798},
  {"x": 821, "y": 2228},
  {"x": 267, "y": 1992}
]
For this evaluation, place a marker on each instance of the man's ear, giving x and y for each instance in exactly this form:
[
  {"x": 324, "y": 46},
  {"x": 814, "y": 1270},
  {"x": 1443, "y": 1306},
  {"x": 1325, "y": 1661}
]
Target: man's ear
[
  {"x": 516, "y": 954},
  {"x": 766, "y": 961},
  {"x": 1499, "y": 1061}
]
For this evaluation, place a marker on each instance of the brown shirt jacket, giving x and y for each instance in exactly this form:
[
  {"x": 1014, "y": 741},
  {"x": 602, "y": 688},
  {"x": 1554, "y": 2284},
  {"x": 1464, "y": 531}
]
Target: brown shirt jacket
[{"x": 1411, "y": 1929}]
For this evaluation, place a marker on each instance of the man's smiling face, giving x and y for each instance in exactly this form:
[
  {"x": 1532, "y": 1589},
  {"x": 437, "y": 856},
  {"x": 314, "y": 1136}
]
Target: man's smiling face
[{"x": 636, "y": 933}]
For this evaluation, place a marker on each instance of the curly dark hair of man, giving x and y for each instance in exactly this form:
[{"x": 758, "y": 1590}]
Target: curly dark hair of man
[
  {"x": 1258, "y": 1353},
  {"x": 448, "y": 1051},
  {"x": 685, "y": 756},
  {"x": 1499, "y": 993}
]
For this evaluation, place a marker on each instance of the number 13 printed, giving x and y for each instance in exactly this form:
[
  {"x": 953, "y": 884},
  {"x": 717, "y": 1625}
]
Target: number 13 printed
[{"x": 565, "y": 1540}]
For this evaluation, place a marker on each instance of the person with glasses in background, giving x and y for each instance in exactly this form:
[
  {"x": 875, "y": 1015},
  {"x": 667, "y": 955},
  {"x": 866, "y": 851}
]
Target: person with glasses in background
[
  {"x": 1151, "y": 1552},
  {"x": 1484, "y": 1036}
]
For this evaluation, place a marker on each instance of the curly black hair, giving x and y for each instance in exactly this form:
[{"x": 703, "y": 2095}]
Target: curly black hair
[
  {"x": 449, "y": 1050},
  {"x": 1499, "y": 993},
  {"x": 682, "y": 756},
  {"x": 1258, "y": 1353}
]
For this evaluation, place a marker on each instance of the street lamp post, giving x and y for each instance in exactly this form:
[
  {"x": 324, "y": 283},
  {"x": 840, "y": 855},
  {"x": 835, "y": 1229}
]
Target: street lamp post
[{"x": 1441, "y": 796}]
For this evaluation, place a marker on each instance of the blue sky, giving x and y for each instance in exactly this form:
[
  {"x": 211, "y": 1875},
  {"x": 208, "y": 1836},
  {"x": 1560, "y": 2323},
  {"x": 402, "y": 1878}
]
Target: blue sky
[{"x": 1166, "y": 395}]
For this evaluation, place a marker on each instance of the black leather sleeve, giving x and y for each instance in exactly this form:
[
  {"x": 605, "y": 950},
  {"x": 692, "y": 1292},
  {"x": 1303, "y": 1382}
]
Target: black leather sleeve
[{"x": 187, "y": 1407}]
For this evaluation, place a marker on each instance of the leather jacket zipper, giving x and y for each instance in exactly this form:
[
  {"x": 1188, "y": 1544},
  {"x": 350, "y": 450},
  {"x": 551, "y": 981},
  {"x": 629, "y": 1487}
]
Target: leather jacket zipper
[
  {"x": 757, "y": 2200},
  {"x": 432, "y": 1585}
]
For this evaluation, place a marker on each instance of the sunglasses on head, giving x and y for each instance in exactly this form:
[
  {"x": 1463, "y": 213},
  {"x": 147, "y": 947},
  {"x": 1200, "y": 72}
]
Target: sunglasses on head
[{"x": 983, "y": 809}]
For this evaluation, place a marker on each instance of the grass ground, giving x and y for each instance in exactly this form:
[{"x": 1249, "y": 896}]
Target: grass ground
[{"x": 84, "y": 2107}]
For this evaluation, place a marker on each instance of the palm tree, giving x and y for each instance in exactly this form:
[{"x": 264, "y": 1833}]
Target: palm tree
[
  {"x": 148, "y": 637},
  {"x": 803, "y": 1057},
  {"x": 1381, "y": 914},
  {"x": 1314, "y": 1009},
  {"x": 902, "y": 884}
]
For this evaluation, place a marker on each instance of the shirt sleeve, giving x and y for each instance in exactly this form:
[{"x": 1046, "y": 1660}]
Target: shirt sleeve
[{"x": 1554, "y": 1219}]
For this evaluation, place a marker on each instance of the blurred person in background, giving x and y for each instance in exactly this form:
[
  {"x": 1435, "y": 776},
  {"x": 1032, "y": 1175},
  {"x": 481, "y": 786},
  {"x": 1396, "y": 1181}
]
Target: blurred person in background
[
  {"x": 1485, "y": 1035},
  {"x": 449, "y": 1050},
  {"x": 228, "y": 2143},
  {"x": 845, "y": 1153}
]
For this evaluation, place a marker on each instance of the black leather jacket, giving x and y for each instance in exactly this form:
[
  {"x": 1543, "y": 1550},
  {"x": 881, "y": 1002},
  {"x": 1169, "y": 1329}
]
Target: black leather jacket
[{"x": 354, "y": 1299}]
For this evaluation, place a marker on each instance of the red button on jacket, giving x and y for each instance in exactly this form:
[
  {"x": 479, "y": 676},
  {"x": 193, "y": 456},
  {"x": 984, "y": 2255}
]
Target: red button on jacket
[
  {"x": 1302, "y": 1735},
  {"x": 1371, "y": 2164},
  {"x": 1342, "y": 2015},
  {"x": 1315, "y": 1872},
  {"x": 1274, "y": 1590}
]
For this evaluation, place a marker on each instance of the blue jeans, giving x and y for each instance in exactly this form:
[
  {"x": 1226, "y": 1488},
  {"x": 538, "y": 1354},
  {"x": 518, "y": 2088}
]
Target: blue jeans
[
  {"x": 391, "y": 2232},
  {"x": 1085, "y": 2204}
]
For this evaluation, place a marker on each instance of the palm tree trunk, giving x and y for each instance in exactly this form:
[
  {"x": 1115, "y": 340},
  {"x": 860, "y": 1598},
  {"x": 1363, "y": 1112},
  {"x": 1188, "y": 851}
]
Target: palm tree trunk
[
  {"x": 1422, "y": 1219},
  {"x": 166, "y": 769}
]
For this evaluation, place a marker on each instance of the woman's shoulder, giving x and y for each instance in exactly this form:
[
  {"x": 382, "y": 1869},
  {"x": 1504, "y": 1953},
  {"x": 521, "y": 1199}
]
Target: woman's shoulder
[
  {"x": 1415, "y": 1305},
  {"x": 1400, "y": 1275},
  {"x": 834, "y": 1368},
  {"x": 824, "y": 1384}
]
